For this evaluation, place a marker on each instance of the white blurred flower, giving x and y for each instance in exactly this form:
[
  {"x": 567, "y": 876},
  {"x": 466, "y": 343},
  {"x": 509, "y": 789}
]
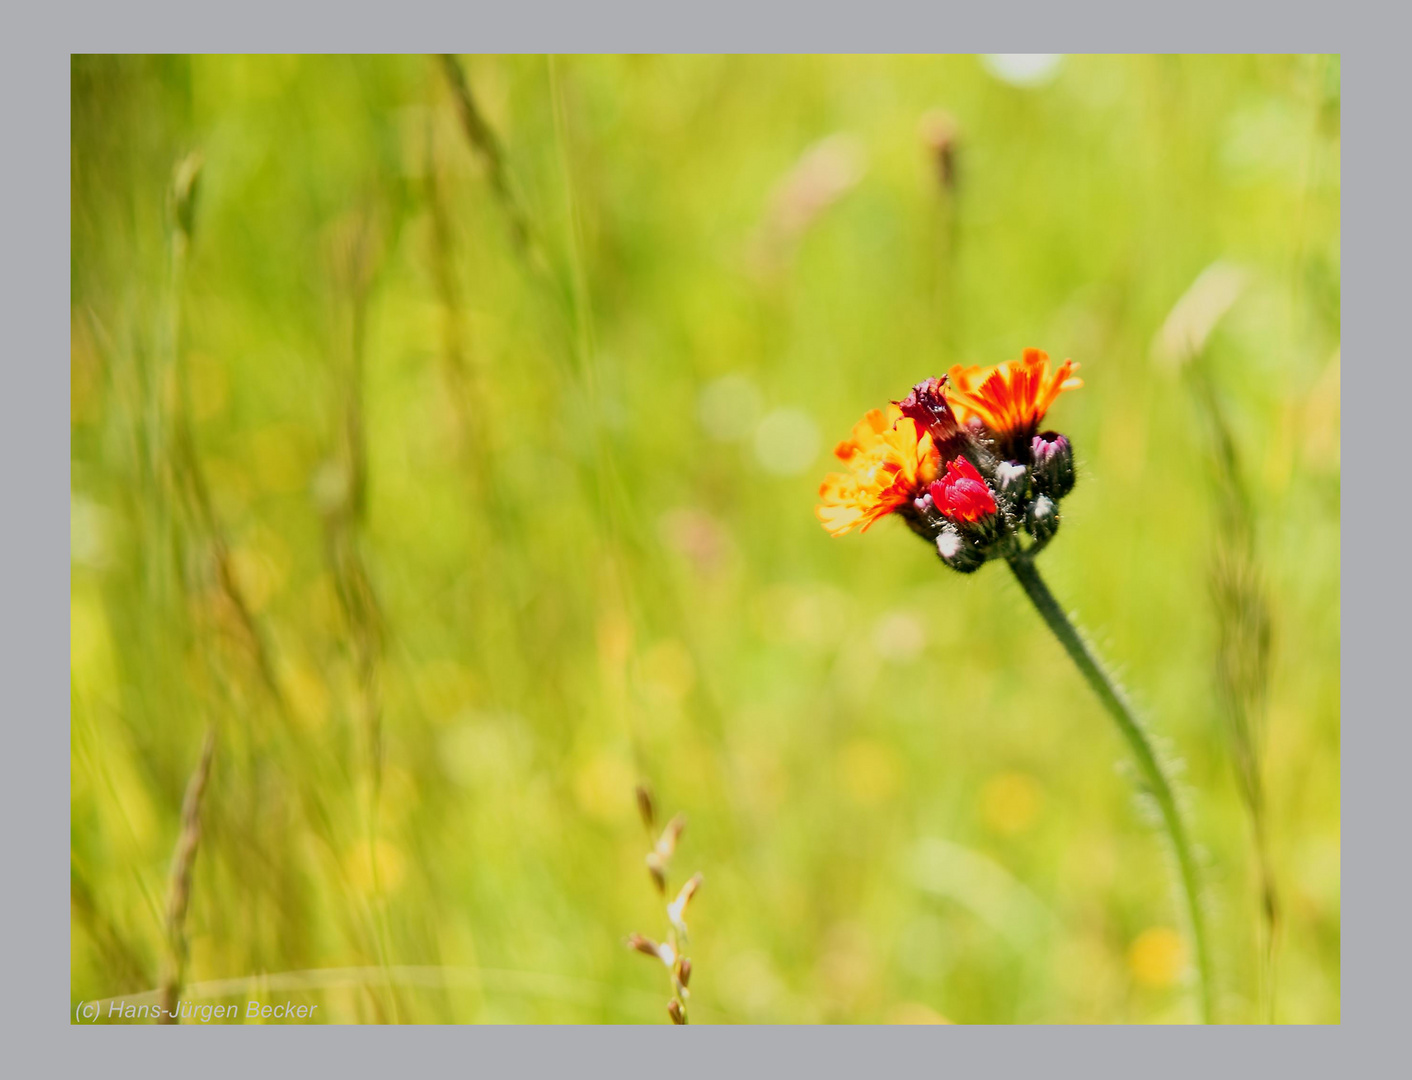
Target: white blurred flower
[
  {"x": 899, "y": 637},
  {"x": 787, "y": 442},
  {"x": 89, "y": 532},
  {"x": 1023, "y": 69},
  {"x": 728, "y": 407}
]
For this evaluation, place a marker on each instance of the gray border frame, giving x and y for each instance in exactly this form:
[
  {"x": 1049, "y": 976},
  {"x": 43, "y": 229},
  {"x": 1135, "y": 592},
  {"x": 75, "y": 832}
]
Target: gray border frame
[{"x": 35, "y": 436}]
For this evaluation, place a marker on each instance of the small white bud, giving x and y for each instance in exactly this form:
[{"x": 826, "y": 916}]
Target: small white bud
[
  {"x": 1010, "y": 476},
  {"x": 957, "y": 552}
]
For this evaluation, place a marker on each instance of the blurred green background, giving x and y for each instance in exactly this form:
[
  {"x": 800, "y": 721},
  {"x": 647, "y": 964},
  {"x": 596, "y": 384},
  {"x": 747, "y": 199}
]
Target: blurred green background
[{"x": 462, "y": 476}]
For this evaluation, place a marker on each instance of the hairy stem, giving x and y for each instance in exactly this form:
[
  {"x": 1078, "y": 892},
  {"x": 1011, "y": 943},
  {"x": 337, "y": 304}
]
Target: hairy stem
[{"x": 1154, "y": 778}]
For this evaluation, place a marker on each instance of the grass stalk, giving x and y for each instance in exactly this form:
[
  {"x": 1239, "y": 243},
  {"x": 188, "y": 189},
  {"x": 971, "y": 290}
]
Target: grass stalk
[
  {"x": 484, "y": 142},
  {"x": 179, "y": 892},
  {"x": 356, "y": 257},
  {"x": 671, "y": 951},
  {"x": 1243, "y": 650}
]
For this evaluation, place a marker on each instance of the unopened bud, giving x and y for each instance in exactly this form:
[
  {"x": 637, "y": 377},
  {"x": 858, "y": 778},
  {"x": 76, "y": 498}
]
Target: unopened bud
[
  {"x": 684, "y": 972},
  {"x": 658, "y": 870},
  {"x": 676, "y": 1012},
  {"x": 667, "y": 842},
  {"x": 646, "y": 946},
  {"x": 183, "y": 192},
  {"x": 1052, "y": 462},
  {"x": 645, "y": 806},
  {"x": 928, "y": 513},
  {"x": 689, "y": 889},
  {"x": 957, "y": 552},
  {"x": 938, "y": 131},
  {"x": 1012, "y": 481},
  {"x": 1042, "y": 518},
  {"x": 676, "y": 910}
]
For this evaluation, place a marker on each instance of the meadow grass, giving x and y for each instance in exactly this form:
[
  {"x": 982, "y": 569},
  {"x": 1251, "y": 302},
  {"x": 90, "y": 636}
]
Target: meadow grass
[{"x": 452, "y": 456}]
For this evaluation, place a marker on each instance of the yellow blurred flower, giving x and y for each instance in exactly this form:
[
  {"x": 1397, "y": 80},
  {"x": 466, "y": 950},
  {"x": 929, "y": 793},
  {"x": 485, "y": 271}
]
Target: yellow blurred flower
[
  {"x": 92, "y": 663},
  {"x": 1157, "y": 956},
  {"x": 870, "y": 771},
  {"x": 915, "y": 1012},
  {"x": 604, "y": 787},
  {"x": 323, "y": 606},
  {"x": 308, "y": 695},
  {"x": 1010, "y": 802},
  {"x": 207, "y": 387},
  {"x": 280, "y": 457},
  {"x": 380, "y": 864},
  {"x": 446, "y": 688},
  {"x": 261, "y": 566}
]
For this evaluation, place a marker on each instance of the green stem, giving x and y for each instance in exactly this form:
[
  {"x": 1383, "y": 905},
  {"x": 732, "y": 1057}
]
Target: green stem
[{"x": 1155, "y": 778}]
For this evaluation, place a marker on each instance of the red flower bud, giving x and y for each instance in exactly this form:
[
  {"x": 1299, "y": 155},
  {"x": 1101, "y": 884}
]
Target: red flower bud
[
  {"x": 961, "y": 494},
  {"x": 927, "y": 405}
]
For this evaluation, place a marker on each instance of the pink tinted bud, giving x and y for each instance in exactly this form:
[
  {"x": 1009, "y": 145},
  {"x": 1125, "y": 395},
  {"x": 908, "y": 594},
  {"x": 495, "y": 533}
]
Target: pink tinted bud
[{"x": 1052, "y": 464}]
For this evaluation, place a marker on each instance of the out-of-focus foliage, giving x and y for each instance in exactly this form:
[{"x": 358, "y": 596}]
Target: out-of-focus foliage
[{"x": 455, "y": 537}]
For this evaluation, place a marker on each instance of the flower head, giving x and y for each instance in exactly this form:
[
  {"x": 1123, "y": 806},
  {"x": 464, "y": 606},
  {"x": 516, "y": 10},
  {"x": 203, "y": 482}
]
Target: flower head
[
  {"x": 962, "y": 494},
  {"x": 1003, "y": 477},
  {"x": 889, "y": 461},
  {"x": 1010, "y": 398}
]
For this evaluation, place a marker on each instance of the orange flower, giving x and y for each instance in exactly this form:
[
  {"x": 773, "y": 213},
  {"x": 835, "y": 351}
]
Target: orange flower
[
  {"x": 889, "y": 460},
  {"x": 1011, "y": 398}
]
